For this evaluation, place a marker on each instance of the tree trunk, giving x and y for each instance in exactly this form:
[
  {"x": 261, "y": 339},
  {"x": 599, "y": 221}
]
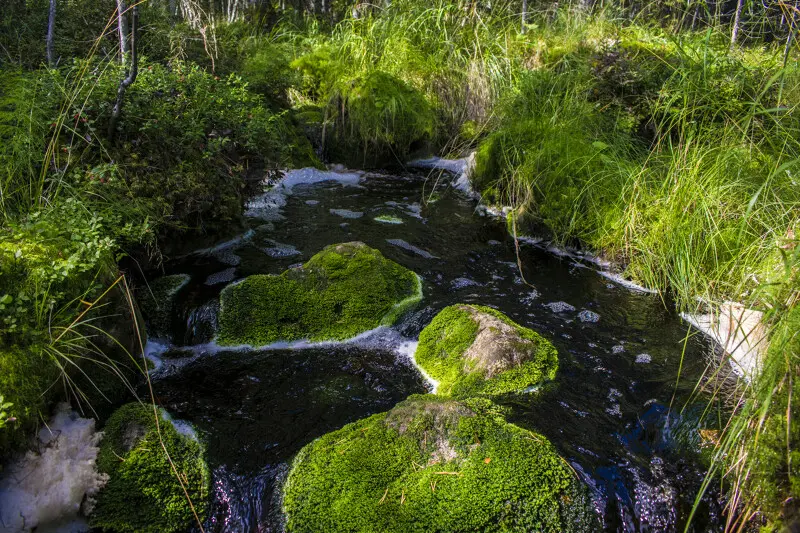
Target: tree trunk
[
  {"x": 524, "y": 14},
  {"x": 122, "y": 29},
  {"x": 130, "y": 78},
  {"x": 51, "y": 29},
  {"x": 736, "y": 20}
]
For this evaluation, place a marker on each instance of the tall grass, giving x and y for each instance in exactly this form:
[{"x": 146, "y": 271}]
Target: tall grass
[{"x": 678, "y": 159}]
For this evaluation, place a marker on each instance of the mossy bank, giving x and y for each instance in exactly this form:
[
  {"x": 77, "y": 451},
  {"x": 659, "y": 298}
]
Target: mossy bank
[
  {"x": 433, "y": 464},
  {"x": 342, "y": 291},
  {"x": 143, "y": 494},
  {"x": 473, "y": 349}
]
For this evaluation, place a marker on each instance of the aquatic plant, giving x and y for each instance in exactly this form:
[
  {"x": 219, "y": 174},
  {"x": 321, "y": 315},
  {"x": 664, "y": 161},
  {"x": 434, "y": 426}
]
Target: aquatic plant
[
  {"x": 142, "y": 493},
  {"x": 472, "y": 349},
  {"x": 433, "y": 464},
  {"x": 342, "y": 291}
]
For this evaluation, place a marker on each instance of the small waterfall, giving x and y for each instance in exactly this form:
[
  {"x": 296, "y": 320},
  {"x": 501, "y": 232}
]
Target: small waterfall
[
  {"x": 248, "y": 503},
  {"x": 202, "y": 323}
]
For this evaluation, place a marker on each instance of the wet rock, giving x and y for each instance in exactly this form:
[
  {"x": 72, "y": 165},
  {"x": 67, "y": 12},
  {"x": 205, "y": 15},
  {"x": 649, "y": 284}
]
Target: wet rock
[
  {"x": 433, "y": 464},
  {"x": 471, "y": 349},
  {"x": 342, "y": 291},
  {"x": 157, "y": 301}
]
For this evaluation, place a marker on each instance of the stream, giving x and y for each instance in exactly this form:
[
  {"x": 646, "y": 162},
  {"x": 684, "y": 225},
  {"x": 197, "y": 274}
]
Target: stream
[{"x": 608, "y": 412}]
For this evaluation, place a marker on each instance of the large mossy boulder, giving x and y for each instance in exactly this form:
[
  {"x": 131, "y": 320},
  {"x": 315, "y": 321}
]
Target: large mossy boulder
[
  {"x": 472, "y": 349},
  {"x": 342, "y": 291},
  {"x": 433, "y": 464},
  {"x": 143, "y": 494},
  {"x": 157, "y": 301}
]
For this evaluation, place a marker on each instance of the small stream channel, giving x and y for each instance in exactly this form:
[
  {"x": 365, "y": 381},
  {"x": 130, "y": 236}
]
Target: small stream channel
[{"x": 608, "y": 413}]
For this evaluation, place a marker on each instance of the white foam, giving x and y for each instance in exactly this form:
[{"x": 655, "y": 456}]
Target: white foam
[
  {"x": 268, "y": 206},
  {"x": 45, "y": 490},
  {"x": 454, "y": 166},
  {"x": 227, "y": 244},
  {"x": 407, "y": 350},
  {"x": 628, "y": 284},
  {"x": 181, "y": 426},
  {"x": 153, "y": 350}
]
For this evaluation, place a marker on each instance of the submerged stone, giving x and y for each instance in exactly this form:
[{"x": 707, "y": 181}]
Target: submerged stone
[
  {"x": 157, "y": 301},
  {"x": 433, "y": 464},
  {"x": 344, "y": 290},
  {"x": 143, "y": 494},
  {"x": 471, "y": 349}
]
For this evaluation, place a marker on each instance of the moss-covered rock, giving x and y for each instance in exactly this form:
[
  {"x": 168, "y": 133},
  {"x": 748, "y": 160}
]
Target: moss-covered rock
[
  {"x": 431, "y": 464},
  {"x": 143, "y": 494},
  {"x": 342, "y": 291},
  {"x": 27, "y": 376},
  {"x": 471, "y": 349},
  {"x": 157, "y": 301}
]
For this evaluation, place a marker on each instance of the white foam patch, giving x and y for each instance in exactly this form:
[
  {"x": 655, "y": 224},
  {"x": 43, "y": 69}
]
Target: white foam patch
[
  {"x": 407, "y": 350},
  {"x": 454, "y": 166},
  {"x": 347, "y": 213},
  {"x": 628, "y": 284},
  {"x": 227, "y": 244},
  {"x": 153, "y": 350},
  {"x": 268, "y": 206},
  {"x": 400, "y": 243},
  {"x": 45, "y": 490},
  {"x": 460, "y": 168},
  {"x": 181, "y": 426},
  {"x": 224, "y": 276}
]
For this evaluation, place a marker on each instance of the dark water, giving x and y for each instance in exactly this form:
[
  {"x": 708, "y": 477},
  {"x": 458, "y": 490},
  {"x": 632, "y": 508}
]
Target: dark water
[{"x": 608, "y": 412}]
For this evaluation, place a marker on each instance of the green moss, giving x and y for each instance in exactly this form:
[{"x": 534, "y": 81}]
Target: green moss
[
  {"x": 388, "y": 219},
  {"x": 444, "y": 342},
  {"x": 143, "y": 494},
  {"x": 379, "y": 118},
  {"x": 774, "y": 478},
  {"x": 342, "y": 291},
  {"x": 26, "y": 379},
  {"x": 429, "y": 465},
  {"x": 157, "y": 301}
]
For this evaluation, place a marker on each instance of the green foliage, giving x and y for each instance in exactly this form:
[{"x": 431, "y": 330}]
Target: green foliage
[
  {"x": 388, "y": 219},
  {"x": 772, "y": 480},
  {"x": 143, "y": 494},
  {"x": 380, "y": 114},
  {"x": 342, "y": 291},
  {"x": 429, "y": 465},
  {"x": 27, "y": 376},
  {"x": 47, "y": 265},
  {"x": 444, "y": 342},
  {"x": 268, "y": 72}
]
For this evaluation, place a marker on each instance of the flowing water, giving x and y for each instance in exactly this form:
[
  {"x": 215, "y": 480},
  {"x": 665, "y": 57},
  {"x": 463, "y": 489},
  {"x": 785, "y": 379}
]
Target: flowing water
[{"x": 608, "y": 412}]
